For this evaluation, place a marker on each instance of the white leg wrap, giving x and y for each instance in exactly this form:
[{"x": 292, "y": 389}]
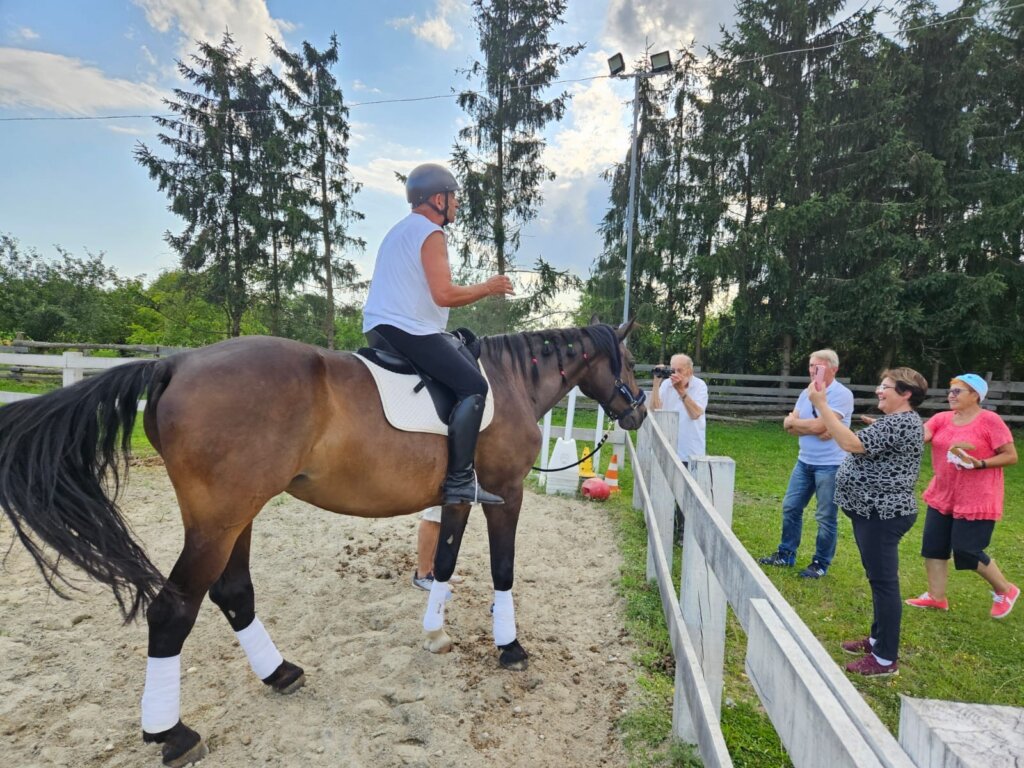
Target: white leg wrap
[
  {"x": 161, "y": 698},
  {"x": 433, "y": 619},
  {"x": 263, "y": 655},
  {"x": 504, "y": 618}
]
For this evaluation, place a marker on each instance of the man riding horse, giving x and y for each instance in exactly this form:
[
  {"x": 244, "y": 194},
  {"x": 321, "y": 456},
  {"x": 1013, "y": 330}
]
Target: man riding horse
[{"x": 410, "y": 294}]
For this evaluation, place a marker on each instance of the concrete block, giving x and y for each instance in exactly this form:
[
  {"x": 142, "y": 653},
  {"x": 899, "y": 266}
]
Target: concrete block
[{"x": 952, "y": 734}]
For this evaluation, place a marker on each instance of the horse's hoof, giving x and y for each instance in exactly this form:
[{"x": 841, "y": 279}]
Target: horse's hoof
[
  {"x": 513, "y": 657},
  {"x": 437, "y": 641},
  {"x": 287, "y": 678},
  {"x": 181, "y": 745}
]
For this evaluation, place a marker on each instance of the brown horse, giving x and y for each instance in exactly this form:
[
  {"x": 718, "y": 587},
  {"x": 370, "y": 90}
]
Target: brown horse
[{"x": 238, "y": 423}]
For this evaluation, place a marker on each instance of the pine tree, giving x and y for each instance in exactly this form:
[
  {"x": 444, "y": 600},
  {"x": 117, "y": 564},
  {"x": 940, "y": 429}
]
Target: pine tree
[
  {"x": 316, "y": 123},
  {"x": 497, "y": 157},
  {"x": 212, "y": 182}
]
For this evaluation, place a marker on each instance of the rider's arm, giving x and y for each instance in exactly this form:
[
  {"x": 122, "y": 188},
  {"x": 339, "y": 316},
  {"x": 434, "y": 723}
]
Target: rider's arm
[{"x": 443, "y": 291}]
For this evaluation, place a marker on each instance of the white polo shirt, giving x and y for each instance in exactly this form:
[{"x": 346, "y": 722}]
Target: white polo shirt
[{"x": 692, "y": 438}]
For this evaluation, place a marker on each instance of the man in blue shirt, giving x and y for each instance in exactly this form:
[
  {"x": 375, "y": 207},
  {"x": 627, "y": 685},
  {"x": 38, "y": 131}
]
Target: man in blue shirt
[{"x": 815, "y": 471}]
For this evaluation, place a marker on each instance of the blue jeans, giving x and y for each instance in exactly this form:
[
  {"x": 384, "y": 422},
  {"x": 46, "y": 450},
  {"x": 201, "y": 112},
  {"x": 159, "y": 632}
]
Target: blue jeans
[{"x": 818, "y": 480}]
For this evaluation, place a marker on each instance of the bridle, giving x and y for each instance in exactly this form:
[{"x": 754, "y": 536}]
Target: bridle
[{"x": 619, "y": 388}]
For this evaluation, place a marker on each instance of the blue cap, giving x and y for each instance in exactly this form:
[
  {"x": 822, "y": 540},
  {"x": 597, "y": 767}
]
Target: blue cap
[{"x": 975, "y": 382}]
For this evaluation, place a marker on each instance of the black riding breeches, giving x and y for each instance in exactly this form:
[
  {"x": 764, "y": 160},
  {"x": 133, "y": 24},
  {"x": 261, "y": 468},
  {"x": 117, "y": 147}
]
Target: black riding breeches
[{"x": 438, "y": 357}]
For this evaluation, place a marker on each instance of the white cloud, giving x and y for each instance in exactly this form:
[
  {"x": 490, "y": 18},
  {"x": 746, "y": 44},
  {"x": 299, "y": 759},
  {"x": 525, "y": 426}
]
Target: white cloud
[
  {"x": 25, "y": 33},
  {"x": 249, "y": 22},
  {"x": 46, "y": 81},
  {"x": 435, "y": 29},
  {"x": 114, "y": 128},
  {"x": 632, "y": 25},
  {"x": 148, "y": 56},
  {"x": 595, "y": 137},
  {"x": 359, "y": 85}
]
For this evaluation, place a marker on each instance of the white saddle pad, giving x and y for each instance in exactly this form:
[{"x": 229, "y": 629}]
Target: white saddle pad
[{"x": 412, "y": 411}]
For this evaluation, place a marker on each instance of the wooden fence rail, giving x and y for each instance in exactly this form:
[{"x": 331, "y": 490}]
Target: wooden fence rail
[{"x": 753, "y": 396}]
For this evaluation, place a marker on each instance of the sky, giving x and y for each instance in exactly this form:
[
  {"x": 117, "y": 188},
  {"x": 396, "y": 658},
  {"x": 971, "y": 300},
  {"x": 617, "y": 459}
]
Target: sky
[{"x": 75, "y": 183}]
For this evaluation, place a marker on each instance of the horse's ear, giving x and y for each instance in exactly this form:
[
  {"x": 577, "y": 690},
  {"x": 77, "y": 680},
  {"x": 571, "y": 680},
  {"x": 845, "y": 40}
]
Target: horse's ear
[
  {"x": 625, "y": 329},
  {"x": 594, "y": 319}
]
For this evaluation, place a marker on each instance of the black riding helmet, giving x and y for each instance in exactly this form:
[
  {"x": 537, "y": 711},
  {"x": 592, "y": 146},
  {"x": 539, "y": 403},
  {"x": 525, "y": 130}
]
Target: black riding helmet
[{"x": 427, "y": 180}]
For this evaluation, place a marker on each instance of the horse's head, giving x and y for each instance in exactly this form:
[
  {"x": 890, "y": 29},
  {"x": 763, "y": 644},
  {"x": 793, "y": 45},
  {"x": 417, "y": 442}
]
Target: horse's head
[{"x": 614, "y": 385}]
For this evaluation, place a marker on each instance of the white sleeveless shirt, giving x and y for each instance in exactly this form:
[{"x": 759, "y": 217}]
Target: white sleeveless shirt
[{"x": 399, "y": 294}]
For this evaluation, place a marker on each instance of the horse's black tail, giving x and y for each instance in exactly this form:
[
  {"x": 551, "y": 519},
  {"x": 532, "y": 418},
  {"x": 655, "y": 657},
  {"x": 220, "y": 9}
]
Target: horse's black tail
[{"x": 63, "y": 461}]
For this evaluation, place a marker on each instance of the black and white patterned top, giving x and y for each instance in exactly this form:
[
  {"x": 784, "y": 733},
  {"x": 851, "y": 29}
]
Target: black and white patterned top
[{"x": 880, "y": 482}]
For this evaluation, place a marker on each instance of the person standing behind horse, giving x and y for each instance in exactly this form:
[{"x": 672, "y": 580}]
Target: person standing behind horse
[
  {"x": 410, "y": 294},
  {"x": 815, "y": 471},
  {"x": 687, "y": 395}
]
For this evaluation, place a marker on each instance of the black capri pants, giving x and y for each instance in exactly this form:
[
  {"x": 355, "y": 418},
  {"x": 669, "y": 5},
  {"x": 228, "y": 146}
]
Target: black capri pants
[
  {"x": 966, "y": 539},
  {"x": 437, "y": 356}
]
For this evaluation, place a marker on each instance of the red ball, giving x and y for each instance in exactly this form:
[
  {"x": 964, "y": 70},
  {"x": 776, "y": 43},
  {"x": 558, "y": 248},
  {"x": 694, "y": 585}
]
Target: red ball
[{"x": 596, "y": 489}]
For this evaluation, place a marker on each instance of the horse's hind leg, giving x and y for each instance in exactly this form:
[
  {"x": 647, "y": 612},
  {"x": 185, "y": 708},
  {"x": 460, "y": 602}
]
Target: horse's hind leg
[
  {"x": 233, "y": 593},
  {"x": 171, "y": 617}
]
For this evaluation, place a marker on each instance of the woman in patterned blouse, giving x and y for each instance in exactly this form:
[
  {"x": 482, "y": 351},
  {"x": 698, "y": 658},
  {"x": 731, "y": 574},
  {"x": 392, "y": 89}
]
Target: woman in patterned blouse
[{"x": 875, "y": 489}]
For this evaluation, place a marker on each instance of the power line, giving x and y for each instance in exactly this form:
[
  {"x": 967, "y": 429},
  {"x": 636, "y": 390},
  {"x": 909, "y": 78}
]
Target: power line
[{"x": 455, "y": 94}]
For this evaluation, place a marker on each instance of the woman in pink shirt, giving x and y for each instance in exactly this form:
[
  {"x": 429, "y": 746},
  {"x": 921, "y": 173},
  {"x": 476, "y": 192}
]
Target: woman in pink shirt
[{"x": 970, "y": 447}]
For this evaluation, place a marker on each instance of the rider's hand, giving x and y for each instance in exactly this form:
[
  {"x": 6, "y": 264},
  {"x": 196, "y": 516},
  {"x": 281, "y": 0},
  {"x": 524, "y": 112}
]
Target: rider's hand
[{"x": 498, "y": 285}]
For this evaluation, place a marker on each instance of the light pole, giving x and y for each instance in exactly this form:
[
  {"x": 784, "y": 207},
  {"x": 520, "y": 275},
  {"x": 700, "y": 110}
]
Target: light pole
[{"x": 660, "y": 62}]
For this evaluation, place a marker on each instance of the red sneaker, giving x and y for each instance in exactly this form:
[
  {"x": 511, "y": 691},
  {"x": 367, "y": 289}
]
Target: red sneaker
[
  {"x": 857, "y": 647},
  {"x": 1003, "y": 604},
  {"x": 927, "y": 601},
  {"x": 869, "y": 667}
]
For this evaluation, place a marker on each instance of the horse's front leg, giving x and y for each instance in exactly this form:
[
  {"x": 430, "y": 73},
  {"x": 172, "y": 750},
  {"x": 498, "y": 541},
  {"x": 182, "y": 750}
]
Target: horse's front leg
[
  {"x": 501, "y": 534},
  {"x": 453, "y": 525}
]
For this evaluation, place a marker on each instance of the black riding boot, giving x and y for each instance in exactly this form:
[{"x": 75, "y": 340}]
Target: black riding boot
[{"x": 460, "y": 485}]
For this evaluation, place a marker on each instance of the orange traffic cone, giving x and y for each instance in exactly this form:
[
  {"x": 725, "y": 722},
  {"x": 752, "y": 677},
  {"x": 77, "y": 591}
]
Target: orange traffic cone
[{"x": 611, "y": 476}]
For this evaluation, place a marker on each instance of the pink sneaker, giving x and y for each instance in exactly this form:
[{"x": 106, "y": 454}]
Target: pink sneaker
[
  {"x": 1003, "y": 604},
  {"x": 927, "y": 601},
  {"x": 868, "y": 666}
]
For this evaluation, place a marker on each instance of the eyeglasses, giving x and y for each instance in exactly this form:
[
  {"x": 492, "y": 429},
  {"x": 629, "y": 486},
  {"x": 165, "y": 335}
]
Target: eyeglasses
[
  {"x": 883, "y": 387},
  {"x": 956, "y": 391}
]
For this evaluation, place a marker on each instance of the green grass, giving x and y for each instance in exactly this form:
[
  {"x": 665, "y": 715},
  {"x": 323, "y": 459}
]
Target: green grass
[
  {"x": 35, "y": 388},
  {"x": 962, "y": 655}
]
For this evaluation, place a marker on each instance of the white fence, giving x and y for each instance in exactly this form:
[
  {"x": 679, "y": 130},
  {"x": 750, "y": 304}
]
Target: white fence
[
  {"x": 818, "y": 714},
  {"x": 72, "y": 365}
]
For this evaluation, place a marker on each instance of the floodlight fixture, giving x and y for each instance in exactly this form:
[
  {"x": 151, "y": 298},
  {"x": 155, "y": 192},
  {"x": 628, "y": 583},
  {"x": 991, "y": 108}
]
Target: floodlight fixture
[
  {"x": 616, "y": 65},
  {"x": 661, "y": 62}
]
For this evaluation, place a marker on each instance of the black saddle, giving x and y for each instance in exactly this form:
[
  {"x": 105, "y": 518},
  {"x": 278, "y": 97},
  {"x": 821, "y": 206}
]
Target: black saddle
[{"x": 387, "y": 357}]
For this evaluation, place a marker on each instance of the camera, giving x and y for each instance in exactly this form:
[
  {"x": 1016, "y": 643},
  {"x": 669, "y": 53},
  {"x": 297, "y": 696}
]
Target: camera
[{"x": 662, "y": 371}]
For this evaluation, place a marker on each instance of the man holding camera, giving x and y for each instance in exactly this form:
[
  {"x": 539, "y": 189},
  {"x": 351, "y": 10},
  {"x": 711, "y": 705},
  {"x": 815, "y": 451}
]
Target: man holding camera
[
  {"x": 815, "y": 471},
  {"x": 679, "y": 390}
]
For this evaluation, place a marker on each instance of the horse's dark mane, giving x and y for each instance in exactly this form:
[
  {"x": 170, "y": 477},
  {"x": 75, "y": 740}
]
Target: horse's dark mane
[{"x": 522, "y": 349}]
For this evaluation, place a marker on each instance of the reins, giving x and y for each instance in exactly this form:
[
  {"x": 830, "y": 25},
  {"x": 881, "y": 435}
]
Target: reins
[{"x": 570, "y": 466}]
